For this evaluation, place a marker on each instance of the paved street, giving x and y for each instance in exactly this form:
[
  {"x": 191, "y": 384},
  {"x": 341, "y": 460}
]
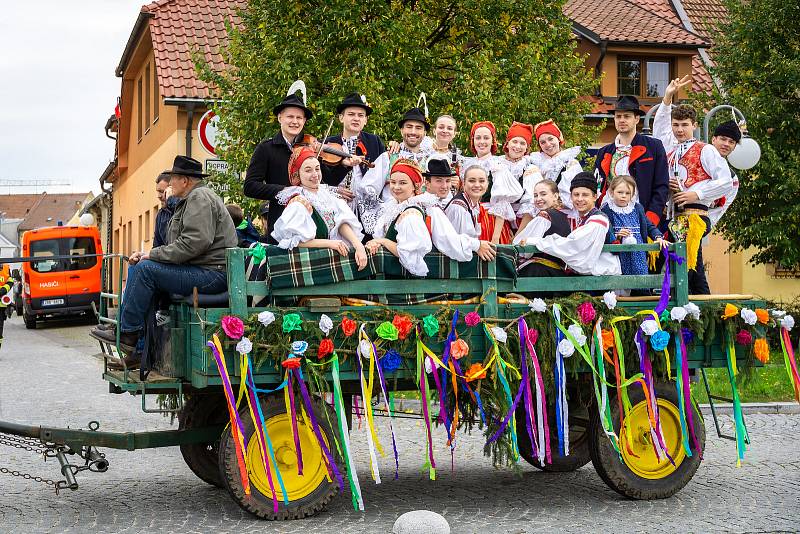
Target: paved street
[{"x": 49, "y": 376}]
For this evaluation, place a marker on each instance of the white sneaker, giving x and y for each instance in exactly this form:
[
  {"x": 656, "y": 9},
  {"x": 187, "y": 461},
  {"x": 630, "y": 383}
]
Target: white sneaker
[{"x": 162, "y": 318}]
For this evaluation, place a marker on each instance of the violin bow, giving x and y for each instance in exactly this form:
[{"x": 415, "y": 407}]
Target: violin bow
[{"x": 325, "y": 137}]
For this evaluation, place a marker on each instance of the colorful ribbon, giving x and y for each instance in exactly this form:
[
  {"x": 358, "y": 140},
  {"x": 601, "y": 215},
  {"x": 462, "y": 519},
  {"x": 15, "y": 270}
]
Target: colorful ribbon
[
  {"x": 352, "y": 474},
  {"x": 562, "y": 407},
  {"x": 422, "y": 382},
  {"x": 790, "y": 362},
  {"x": 739, "y": 429},
  {"x": 366, "y": 396}
]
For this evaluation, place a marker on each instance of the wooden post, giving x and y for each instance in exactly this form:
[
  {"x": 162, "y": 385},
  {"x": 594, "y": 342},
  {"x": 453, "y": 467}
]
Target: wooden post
[
  {"x": 681, "y": 275},
  {"x": 237, "y": 288}
]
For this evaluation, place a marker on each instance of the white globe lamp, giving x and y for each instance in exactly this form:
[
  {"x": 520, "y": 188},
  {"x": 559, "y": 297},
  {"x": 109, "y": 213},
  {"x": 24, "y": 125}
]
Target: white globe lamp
[
  {"x": 746, "y": 154},
  {"x": 87, "y": 219}
]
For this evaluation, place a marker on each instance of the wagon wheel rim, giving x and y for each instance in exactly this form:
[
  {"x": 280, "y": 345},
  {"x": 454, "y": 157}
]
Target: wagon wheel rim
[
  {"x": 642, "y": 459},
  {"x": 315, "y": 470}
]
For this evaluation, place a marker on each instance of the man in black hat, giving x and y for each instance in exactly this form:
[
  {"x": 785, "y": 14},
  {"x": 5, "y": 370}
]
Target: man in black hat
[
  {"x": 726, "y": 136},
  {"x": 353, "y": 112},
  {"x": 194, "y": 256},
  {"x": 636, "y": 155},
  {"x": 268, "y": 172},
  {"x": 437, "y": 180},
  {"x": 373, "y": 189}
]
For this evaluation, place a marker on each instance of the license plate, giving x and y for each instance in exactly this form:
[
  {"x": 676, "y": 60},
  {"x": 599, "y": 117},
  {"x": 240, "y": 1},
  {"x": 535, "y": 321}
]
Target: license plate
[{"x": 52, "y": 302}]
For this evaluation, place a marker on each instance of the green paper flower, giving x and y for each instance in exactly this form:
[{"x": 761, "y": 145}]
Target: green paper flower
[
  {"x": 291, "y": 321},
  {"x": 258, "y": 252},
  {"x": 430, "y": 324},
  {"x": 387, "y": 330},
  {"x": 665, "y": 317}
]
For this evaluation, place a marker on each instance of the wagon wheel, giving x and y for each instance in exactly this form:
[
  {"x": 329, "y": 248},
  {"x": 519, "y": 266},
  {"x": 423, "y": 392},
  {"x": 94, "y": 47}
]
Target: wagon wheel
[
  {"x": 203, "y": 458},
  {"x": 309, "y": 493},
  {"x": 642, "y": 475},
  {"x": 579, "y": 421}
]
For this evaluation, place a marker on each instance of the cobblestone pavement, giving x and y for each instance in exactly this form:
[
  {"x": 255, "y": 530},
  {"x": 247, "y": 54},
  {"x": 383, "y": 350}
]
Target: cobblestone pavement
[{"x": 49, "y": 376}]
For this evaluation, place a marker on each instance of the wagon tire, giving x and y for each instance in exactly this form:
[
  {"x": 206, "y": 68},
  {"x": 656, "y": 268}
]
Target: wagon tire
[
  {"x": 579, "y": 421},
  {"x": 314, "y": 496},
  {"x": 203, "y": 458},
  {"x": 645, "y": 477}
]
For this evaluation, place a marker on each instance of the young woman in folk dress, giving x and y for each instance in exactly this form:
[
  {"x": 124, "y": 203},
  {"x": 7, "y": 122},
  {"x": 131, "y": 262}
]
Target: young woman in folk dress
[{"x": 315, "y": 217}]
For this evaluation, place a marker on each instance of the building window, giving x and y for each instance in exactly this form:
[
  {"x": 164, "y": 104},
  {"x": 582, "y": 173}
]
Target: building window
[
  {"x": 642, "y": 77},
  {"x": 147, "y": 233},
  {"x": 139, "y": 110},
  {"x": 147, "y": 97},
  {"x": 156, "y": 95},
  {"x": 778, "y": 270}
]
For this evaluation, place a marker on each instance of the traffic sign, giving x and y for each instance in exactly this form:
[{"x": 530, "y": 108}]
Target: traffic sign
[{"x": 207, "y": 132}]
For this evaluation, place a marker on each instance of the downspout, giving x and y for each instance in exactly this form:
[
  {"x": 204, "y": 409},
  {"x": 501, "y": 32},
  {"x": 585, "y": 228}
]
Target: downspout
[
  {"x": 598, "y": 68},
  {"x": 189, "y": 127}
]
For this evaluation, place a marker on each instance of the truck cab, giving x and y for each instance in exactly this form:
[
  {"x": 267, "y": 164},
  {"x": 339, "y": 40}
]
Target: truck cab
[{"x": 65, "y": 277}]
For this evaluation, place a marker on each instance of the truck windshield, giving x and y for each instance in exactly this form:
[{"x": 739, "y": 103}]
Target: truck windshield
[
  {"x": 67, "y": 246},
  {"x": 79, "y": 246}
]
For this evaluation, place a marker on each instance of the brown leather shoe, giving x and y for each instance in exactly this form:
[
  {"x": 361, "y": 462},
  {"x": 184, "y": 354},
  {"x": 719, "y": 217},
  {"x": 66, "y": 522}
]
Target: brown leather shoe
[
  {"x": 127, "y": 340},
  {"x": 132, "y": 362}
]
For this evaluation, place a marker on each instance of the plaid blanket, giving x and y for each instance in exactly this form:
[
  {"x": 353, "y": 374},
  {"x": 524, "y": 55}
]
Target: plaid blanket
[{"x": 302, "y": 267}]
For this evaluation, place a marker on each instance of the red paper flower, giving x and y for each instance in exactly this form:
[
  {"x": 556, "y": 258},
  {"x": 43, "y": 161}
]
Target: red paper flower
[
  {"x": 459, "y": 349},
  {"x": 348, "y": 326},
  {"x": 533, "y": 336},
  {"x": 743, "y": 337},
  {"x": 403, "y": 324},
  {"x": 586, "y": 312},
  {"x": 291, "y": 363},
  {"x": 232, "y": 326},
  {"x": 472, "y": 319},
  {"x": 325, "y": 348}
]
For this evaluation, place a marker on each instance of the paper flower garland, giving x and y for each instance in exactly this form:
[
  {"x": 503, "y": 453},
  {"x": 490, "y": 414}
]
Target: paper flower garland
[
  {"x": 533, "y": 336},
  {"x": 365, "y": 349},
  {"x": 459, "y": 349},
  {"x": 761, "y": 350},
  {"x": 688, "y": 335},
  {"x": 499, "y": 334},
  {"x": 607, "y": 337},
  {"x": 430, "y": 324},
  {"x": 577, "y": 332},
  {"x": 232, "y": 326},
  {"x": 763, "y": 315},
  {"x": 743, "y": 337},
  {"x": 787, "y": 322},
  {"x": 475, "y": 372},
  {"x": 325, "y": 324},
  {"x": 586, "y": 312},
  {"x": 649, "y": 327},
  {"x": 778, "y": 313},
  {"x": 678, "y": 313},
  {"x": 299, "y": 348},
  {"x": 348, "y": 326},
  {"x": 659, "y": 340},
  {"x": 387, "y": 331},
  {"x": 730, "y": 311},
  {"x": 291, "y": 363},
  {"x": 693, "y": 310},
  {"x": 266, "y": 318},
  {"x": 538, "y": 305},
  {"x": 472, "y": 319},
  {"x": 391, "y": 361},
  {"x": 749, "y": 316},
  {"x": 566, "y": 348},
  {"x": 325, "y": 348},
  {"x": 291, "y": 322},
  {"x": 403, "y": 325},
  {"x": 610, "y": 299},
  {"x": 244, "y": 346}
]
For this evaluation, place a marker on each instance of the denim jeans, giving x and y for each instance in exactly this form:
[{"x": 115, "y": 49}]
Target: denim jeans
[{"x": 148, "y": 278}]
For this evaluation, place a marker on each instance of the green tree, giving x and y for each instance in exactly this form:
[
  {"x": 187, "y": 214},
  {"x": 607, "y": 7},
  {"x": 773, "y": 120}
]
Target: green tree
[
  {"x": 502, "y": 60},
  {"x": 757, "y": 57}
]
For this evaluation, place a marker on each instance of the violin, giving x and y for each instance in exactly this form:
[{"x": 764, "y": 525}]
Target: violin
[{"x": 332, "y": 153}]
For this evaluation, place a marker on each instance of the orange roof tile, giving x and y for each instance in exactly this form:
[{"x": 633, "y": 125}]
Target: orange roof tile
[
  {"x": 625, "y": 21},
  {"x": 48, "y": 209},
  {"x": 18, "y": 206},
  {"x": 701, "y": 79},
  {"x": 704, "y": 16},
  {"x": 177, "y": 28}
]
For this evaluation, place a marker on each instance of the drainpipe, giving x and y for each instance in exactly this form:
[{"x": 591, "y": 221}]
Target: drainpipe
[
  {"x": 189, "y": 127},
  {"x": 598, "y": 68}
]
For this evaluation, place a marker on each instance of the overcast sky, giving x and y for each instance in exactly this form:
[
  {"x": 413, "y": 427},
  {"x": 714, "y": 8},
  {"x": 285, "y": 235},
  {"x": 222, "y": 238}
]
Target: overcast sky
[{"x": 58, "y": 88}]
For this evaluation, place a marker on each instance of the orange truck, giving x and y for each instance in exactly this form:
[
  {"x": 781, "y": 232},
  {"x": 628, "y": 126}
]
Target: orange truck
[{"x": 65, "y": 277}]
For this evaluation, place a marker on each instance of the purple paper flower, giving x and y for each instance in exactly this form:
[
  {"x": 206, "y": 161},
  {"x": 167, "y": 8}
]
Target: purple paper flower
[
  {"x": 391, "y": 361},
  {"x": 743, "y": 337},
  {"x": 688, "y": 335}
]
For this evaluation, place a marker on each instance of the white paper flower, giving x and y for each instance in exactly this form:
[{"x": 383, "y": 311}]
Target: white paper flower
[
  {"x": 649, "y": 327},
  {"x": 428, "y": 366},
  {"x": 610, "y": 298},
  {"x": 787, "y": 322},
  {"x": 299, "y": 347},
  {"x": 577, "y": 332},
  {"x": 266, "y": 318},
  {"x": 693, "y": 310},
  {"x": 778, "y": 313},
  {"x": 244, "y": 346},
  {"x": 538, "y": 305},
  {"x": 678, "y": 313},
  {"x": 749, "y": 316},
  {"x": 365, "y": 349},
  {"x": 499, "y": 334},
  {"x": 325, "y": 324},
  {"x": 566, "y": 348}
]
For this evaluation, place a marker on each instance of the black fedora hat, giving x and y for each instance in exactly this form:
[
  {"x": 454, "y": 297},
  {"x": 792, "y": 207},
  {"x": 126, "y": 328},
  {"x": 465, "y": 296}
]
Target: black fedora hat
[
  {"x": 438, "y": 167},
  {"x": 186, "y": 166},
  {"x": 292, "y": 101},
  {"x": 627, "y": 103},
  {"x": 354, "y": 100},
  {"x": 414, "y": 114}
]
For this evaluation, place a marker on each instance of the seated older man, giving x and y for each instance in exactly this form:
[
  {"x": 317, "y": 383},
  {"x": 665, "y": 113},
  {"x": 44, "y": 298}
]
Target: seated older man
[{"x": 198, "y": 234}]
